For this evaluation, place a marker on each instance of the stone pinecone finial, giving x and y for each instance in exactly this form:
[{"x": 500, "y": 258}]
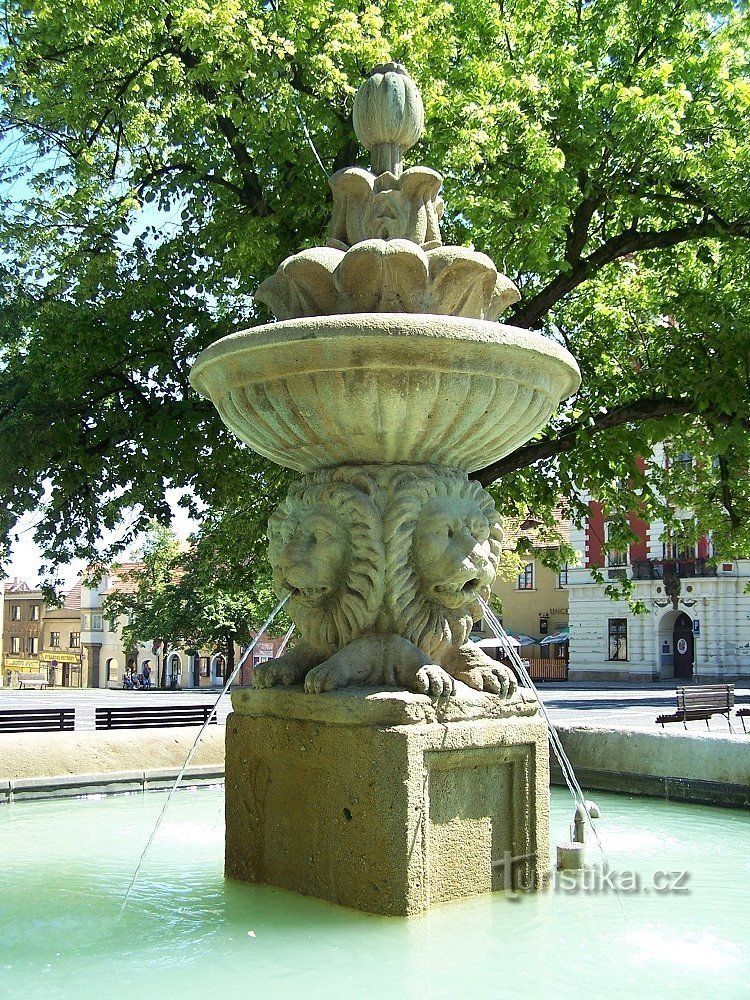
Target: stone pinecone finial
[{"x": 388, "y": 116}]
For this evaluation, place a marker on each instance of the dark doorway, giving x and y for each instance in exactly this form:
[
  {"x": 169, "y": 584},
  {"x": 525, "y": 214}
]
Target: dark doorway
[{"x": 684, "y": 646}]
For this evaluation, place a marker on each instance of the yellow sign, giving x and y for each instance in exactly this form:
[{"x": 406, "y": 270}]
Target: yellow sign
[
  {"x": 15, "y": 663},
  {"x": 48, "y": 656}
]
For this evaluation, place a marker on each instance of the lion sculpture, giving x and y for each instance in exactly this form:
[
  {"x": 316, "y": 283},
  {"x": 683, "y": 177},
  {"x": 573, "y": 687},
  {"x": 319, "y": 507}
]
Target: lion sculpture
[
  {"x": 326, "y": 548},
  {"x": 386, "y": 569}
]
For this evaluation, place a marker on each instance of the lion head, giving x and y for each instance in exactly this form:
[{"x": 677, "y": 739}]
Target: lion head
[
  {"x": 443, "y": 541},
  {"x": 326, "y": 548}
]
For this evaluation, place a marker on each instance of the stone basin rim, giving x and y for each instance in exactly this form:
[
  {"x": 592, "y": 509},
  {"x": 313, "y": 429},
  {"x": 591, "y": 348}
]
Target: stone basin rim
[{"x": 417, "y": 329}]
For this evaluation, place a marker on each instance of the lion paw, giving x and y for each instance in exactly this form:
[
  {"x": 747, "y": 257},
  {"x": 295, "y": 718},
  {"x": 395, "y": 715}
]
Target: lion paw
[
  {"x": 276, "y": 672},
  {"x": 327, "y": 677},
  {"x": 496, "y": 679},
  {"x": 434, "y": 681}
]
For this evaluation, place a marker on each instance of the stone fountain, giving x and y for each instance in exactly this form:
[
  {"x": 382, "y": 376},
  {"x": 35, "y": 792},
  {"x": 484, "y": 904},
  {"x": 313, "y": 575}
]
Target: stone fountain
[{"x": 385, "y": 763}]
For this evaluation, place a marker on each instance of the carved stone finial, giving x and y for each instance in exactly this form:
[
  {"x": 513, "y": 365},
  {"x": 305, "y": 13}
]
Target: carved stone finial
[
  {"x": 384, "y": 250},
  {"x": 388, "y": 116}
]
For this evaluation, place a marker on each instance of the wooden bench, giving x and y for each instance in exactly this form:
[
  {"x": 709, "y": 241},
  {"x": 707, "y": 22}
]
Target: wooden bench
[
  {"x": 743, "y": 713},
  {"x": 152, "y": 716},
  {"x": 547, "y": 669},
  {"x": 33, "y": 681},
  {"x": 701, "y": 702},
  {"x": 37, "y": 720}
]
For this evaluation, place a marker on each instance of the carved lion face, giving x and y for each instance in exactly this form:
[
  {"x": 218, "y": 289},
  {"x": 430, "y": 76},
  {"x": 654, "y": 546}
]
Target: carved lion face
[
  {"x": 326, "y": 546},
  {"x": 452, "y": 552},
  {"x": 309, "y": 553}
]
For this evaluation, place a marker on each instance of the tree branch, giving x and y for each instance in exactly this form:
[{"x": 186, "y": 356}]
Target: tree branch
[
  {"x": 250, "y": 190},
  {"x": 578, "y": 231},
  {"x": 726, "y": 492},
  {"x": 641, "y": 409},
  {"x": 628, "y": 242}
]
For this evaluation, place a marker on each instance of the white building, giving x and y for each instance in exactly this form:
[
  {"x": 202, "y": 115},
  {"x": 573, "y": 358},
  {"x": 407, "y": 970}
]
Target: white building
[{"x": 698, "y": 621}]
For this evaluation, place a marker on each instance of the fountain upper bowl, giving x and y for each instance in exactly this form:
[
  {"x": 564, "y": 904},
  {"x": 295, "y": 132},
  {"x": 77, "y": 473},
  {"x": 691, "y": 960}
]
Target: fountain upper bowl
[{"x": 370, "y": 388}]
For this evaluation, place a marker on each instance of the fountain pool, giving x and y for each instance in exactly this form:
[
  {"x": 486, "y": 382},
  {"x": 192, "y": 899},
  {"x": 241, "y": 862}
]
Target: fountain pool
[{"x": 187, "y": 932}]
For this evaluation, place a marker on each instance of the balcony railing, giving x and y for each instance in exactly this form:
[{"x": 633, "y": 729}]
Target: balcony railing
[{"x": 660, "y": 569}]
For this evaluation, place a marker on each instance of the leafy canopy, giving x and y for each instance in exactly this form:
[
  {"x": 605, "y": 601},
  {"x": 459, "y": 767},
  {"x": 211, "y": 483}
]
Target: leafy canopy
[
  {"x": 194, "y": 596},
  {"x": 159, "y": 160}
]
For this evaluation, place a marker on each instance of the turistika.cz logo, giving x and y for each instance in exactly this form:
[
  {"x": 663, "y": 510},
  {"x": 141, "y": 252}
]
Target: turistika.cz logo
[{"x": 518, "y": 875}]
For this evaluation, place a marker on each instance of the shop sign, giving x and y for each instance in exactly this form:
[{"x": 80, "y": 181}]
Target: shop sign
[
  {"x": 16, "y": 663},
  {"x": 52, "y": 656}
]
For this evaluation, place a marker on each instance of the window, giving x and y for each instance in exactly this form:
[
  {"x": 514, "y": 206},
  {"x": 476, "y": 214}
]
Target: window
[
  {"x": 32, "y": 644},
  {"x": 15, "y": 644},
  {"x": 618, "y": 639},
  {"x": 683, "y": 461},
  {"x": 678, "y": 551},
  {"x": 97, "y": 623},
  {"x": 34, "y": 613},
  {"x": 526, "y": 577},
  {"x": 54, "y": 640},
  {"x": 615, "y": 557},
  {"x": 15, "y": 613},
  {"x": 562, "y": 577},
  {"x": 205, "y": 666},
  {"x": 75, "y": 640},
  {"x": 85, "y": 623}
]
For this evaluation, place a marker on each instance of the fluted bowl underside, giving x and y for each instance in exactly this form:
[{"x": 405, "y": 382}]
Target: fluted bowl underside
[{"x": 385, "y": 387}]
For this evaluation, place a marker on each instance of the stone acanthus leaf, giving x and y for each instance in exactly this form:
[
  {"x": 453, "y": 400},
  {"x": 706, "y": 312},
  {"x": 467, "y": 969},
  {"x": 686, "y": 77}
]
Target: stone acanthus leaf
[
  {"x": 385, "y": 207},
  {"x": 388, "y": 275}
]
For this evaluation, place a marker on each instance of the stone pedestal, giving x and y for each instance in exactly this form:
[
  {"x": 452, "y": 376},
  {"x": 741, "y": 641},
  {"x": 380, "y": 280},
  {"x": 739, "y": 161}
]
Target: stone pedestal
[{"x": 384, "y": 801}]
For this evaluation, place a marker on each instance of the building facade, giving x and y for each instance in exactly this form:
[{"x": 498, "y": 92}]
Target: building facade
[
  {"x": 697, "y": 625},
  {"x": 107, "y": 660},
  {"x": 23, "y": 611}
]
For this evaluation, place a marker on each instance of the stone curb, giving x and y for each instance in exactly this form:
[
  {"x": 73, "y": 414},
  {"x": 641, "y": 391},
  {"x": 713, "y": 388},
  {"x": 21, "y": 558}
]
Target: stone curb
[
  {"x": 106, "y": 783},
  {"x": 705, "y": 768}
]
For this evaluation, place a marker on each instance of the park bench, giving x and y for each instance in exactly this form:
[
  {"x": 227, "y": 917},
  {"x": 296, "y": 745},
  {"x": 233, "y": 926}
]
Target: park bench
[
  {"x": 743, "y": 713},
  {"x": 152, "y": 716},
  {"x": 33, "y": 681},
  {"x": 701, "y": 702},
  {"x": 37, "y": 720}
]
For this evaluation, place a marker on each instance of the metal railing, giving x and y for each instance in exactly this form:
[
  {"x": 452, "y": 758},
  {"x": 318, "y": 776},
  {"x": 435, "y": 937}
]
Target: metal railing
[{"x": 659, "y": 569}]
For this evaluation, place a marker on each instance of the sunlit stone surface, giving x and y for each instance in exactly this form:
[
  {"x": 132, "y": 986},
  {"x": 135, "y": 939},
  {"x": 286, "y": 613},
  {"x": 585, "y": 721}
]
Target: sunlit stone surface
[{"x": 386, "y": 382}]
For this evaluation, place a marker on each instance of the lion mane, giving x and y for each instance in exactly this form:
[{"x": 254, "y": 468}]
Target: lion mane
[
  {"x": 331, "y": 622},
  {"x": 421, "y": 619}
]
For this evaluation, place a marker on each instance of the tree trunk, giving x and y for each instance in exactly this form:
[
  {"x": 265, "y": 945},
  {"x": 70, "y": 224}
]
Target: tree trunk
[{"x": 230, "y": 656}]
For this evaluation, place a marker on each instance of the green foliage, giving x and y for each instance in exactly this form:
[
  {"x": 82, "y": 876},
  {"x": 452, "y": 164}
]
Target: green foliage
[
  {"x": 196, "y": 596},
  {"x": 155, "y": 169}
]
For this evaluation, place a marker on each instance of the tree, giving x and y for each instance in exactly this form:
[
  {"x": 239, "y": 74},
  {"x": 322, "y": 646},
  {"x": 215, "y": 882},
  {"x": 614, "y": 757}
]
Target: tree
[
  {"x": 160, "y": 161},
  {"x": 194, "y": 597}
]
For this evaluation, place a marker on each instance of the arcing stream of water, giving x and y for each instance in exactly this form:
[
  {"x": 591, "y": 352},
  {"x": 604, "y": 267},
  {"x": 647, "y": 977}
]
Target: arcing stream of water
[{"x": 211, "y": 715}]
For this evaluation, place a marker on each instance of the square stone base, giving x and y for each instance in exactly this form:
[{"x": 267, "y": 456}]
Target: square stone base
[{"x": 367, "y": 800}]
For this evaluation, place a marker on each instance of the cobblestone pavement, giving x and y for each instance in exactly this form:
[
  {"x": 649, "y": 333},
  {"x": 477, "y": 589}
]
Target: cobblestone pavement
[{"x": 611, "y": 705}]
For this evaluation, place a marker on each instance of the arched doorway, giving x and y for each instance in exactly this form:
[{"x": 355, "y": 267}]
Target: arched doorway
[
  {"x": 218, "y": 665},
  {"x": 175, "y": 671},
  {"x": 683, "y": 644},
  {"x": 113, "y": 671}
]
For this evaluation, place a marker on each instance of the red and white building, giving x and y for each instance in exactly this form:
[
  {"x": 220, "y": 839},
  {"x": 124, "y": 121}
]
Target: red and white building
[{"x": 697, "y": 625}]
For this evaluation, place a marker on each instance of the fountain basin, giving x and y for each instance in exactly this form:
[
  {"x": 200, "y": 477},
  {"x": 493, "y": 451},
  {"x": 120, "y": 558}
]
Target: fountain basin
[
  {"x": 189, "y": 932},
  {"x": 385, "y": 388}
]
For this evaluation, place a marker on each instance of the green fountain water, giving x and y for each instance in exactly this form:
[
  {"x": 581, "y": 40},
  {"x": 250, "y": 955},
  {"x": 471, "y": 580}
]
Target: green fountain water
[{"x": 187, "y": 932}]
